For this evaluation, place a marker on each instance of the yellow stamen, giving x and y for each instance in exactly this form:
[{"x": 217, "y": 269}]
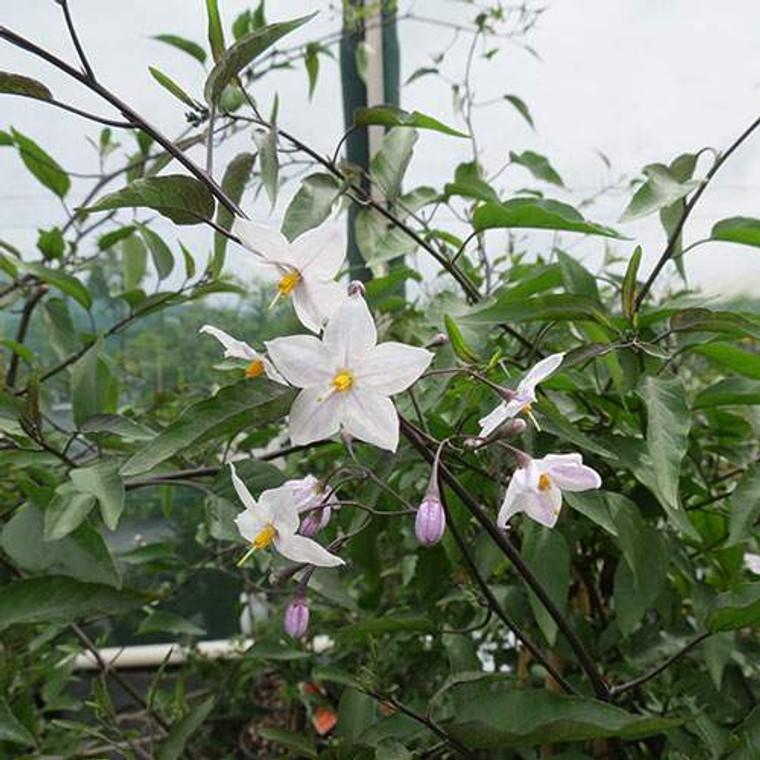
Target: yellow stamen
[
  {"x": 262, "y": 539},
  {"x": 254, "y": 369},
  {"x": 342, "y": 381},
  {"x": 288, "y": 282},
  {"x": 527, "y": 409},
  {"x": 544, "y": 482}
]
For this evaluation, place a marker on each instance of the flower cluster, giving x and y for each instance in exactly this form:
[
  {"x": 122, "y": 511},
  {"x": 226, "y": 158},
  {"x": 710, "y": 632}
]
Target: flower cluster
[{"x": 345, "y": 380}]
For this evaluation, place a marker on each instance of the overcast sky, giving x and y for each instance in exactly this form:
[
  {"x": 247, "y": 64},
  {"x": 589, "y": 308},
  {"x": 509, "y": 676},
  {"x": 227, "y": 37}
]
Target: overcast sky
[{"x": 639, "y": 80}]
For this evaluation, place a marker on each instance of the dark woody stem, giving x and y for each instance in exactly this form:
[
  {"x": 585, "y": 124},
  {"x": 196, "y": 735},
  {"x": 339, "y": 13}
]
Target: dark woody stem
[{"x": 500, "y": 538}]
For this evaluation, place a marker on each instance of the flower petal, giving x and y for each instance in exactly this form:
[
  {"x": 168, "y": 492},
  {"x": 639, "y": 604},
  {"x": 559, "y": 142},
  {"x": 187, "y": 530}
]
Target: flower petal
[
  {"x": 319, "y": 253},
  {"x": 281, "y": 506},
  {"x": 302, "y": 549},
  {"x": 267, "y": 242},
  {"x": 513, "y": 498},
  {"x": 574, "y": 477},
  {"x": 493, "y": 420},
  {"x": 543, "y": 506},
  {"x": 271, "y": 372},
  {"x": 315, "y": 302},
  {"x": 233, "y": 348},
  {"x": 301, "y": 359},
  {"x": 314, "y": 420},
  {"x": 752, "y": 562},
  {"x": 241, "y": 489},
  {"x": 391, "y": 367},
  {"x": 306, "y": 491},
  {"x": 249, "y": 524},
  {"x": 371, "y": 417},
  {"x": 351, "y": 332},
  {"x": 539, "y": 373}
]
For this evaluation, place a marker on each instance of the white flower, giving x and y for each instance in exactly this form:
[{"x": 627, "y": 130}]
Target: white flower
[
  {"x": 522, "y": 399},
  {"x": 347, "y": 379},
  {"x": 274, "y": 520},
  {"x": 307, "y": 267},
  {"x": 236, "y": 349},
  {"x": 536, "y": 488},
  {"x": 752, "y": 562}
]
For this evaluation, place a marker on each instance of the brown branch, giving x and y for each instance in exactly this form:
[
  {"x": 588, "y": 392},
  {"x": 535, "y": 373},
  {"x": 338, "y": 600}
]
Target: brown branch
[{"x": 23, "y": 325}]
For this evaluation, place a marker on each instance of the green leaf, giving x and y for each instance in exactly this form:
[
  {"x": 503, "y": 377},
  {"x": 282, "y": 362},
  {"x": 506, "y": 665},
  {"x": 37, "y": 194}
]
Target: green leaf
[
  {"x": 390, "y": 163},
  {"x": 42, "y": 165},
  {"x": 161, "y": 621},
  {"x": 707, "y": 320},
  {"x": 745, "y": 506},
  {"x": 134, "y": 262},
  {"x": 51, "y": 243},
  {"x": 734, "y": 391},
  {"x": 58, "y": 599},
  {"x": 266, "y": 142},
  {"x": 182, "y": 199},
  {"x": 311, "y": 61},
  {"x": 117, "y": 425},
  {"x": 92, "y": 384},
  {"x": 236, "y": 178},
  {"x": 378, "y": 240},
  {"x": 299, "y": 744},
  {"x": 232, "y": 409},
  {"x": 82, "y": 554},
  {"x": 12, "y": 730},
  {"x": 311, "y": 205},
  {"x": 533, "y": 213},
  {"x": 172, "y": 87},
  {"x": 215, "y": 30},
  {"x": 628, "y": 288},
  {"x": 60, "y": 327},
  {"x": 469, "y": 183},
  {"x": 104, "y": 483},
  {"x": 500, "y": 717},
  {"x": 186, "y": 46},
  {"x": 537, "y": 165},
  {"x": 388, "y": 624},
  {"x": 730, "y": 358},
  {"x": 738, "y": 229},
  {"x": 661, "y": 189},
  {"x": 18, "y": 84},
  {"x": 458, "y": 343},
  {"x": 521, "y": 108},
  {"x": 275, "y": 651},
  {"x": 66, "y": 511},
  {"x": 66, "y": 283},
  {"x": 115, "y": 236},
  {"x": 737, "y": 608},
  {"x": 189, "y": 261},
  {"x": 548, "y": 556},
  {"x": 356, "y": 713},
  {"x": 393, "y": 116},
  {"x": 173, "y": 747},
  {"x": 576, "y": 278},
  {"x": 560, "y": 306},
  {"x": 668, "y": 425},
  {"x": 163, "y": 258},
  {"x": 243, "y": 53}
]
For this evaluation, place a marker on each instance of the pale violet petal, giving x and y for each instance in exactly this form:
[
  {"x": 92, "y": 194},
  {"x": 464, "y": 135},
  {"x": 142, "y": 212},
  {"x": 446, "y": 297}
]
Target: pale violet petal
[
  {"x": 233, "y": 348},
  {"x": 302, "y": 549},
  {"x": 271, "y": 372},
  {"x": 543, "y": 506},
  {"x": 493, "y": 420},
  {"x": 319, "y": 253},
  {"x": 316, "y": 301},
  {"x": 301, "y": 359},
  {"x": 752, "y": 562},
  {"x": 574, "y": 477},
  {"x": 314, "y": 417},
  {"x": 241, "y": 489},
  {"x": 539, "y": 373},
  {"x": 280, "y": 504},
  {"x": 306, "y": 491},
  {"x": 371, "y": 417},
  {"x": 391, "y": 367},
  {"x": 351, "y": 332},
  {"x": 551, "y": 459},
  {"x": 267, "y": 242},
  {"x": 513, "y": 499}
]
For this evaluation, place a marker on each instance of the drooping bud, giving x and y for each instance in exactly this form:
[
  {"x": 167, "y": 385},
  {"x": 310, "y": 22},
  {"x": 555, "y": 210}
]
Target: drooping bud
[
  {"x": 315, "y": 520},
  {"x": 297, "y": 618},
  {"x": 430, "y": 522},
  {"x": 356, "y": 288},
  {"x": 438, "y": 340}
]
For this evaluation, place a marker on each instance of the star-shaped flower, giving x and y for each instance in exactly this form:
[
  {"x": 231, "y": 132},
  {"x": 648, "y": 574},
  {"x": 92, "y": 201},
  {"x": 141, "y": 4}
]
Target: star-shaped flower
[
  {"x": 306, "y": 268},
  {"x": 536, "y": 487},
  {"x": 237, "y": 349},
  {"x": 346, "y": 378},
  {"x": 274, "y": 520},
  {"x": 523, "y": 398}
]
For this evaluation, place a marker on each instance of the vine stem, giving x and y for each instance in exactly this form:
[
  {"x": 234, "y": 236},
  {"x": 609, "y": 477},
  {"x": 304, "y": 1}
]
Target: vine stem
[
  {"x": 500, "y": 538},
  {"x": 667, "y": 254},
  {"x": 88, "y": 80}
]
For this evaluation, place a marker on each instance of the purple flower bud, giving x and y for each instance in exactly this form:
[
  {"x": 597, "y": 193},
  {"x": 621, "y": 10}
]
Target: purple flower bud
[
  {"x": 315, "y": 521},
  {"x": 356, "y": 288},
  {"x": 441, "y": 339},
  {"x": 430, "y": 522},
  {"x": 296, "y": 618}
]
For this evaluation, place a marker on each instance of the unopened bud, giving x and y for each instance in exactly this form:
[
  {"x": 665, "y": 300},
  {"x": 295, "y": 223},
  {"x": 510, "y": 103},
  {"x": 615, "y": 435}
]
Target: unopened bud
[
  {"x": 439, "y": 340},
  {"x": 315, "y": 521},
  {"x": 296, "y": 618},
  {"x": 430, "y": 522},
  {"x": 356, "y": 288}
]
